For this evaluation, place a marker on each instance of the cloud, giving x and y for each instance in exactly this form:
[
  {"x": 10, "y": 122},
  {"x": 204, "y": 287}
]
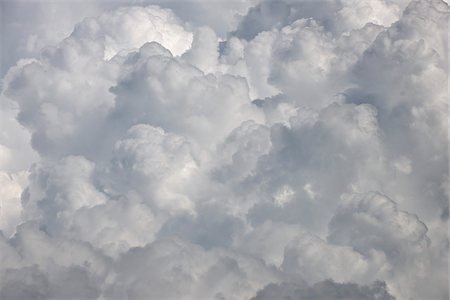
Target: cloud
[
  {"x": 324, "y": 290},
  {"x": 377, "y": 225},
  {"x": 299, "y": 165},
  {"x": 335, "y": 16},
  {"x": 174, "y": 268},
  {"x": 128, "y": 28},
  {"x": 11, "y": 207},
  {"x": 406, "y": 84},
  {"x": 376, "y": 212},
  {"x": 157, "y": 84},
  {"x": 258, "y": 150},
  {"x": 49, "y": 267},
  {"x": 169, "y": 267},
  {"x": 29, "y": 27}
]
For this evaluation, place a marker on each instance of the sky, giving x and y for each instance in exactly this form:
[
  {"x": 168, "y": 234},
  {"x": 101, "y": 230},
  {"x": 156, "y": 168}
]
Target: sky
[{"x": 253, "y": 149}]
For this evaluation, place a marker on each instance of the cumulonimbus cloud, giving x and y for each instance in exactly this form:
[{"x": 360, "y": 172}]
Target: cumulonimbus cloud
[{"x": 289, "y": 149}]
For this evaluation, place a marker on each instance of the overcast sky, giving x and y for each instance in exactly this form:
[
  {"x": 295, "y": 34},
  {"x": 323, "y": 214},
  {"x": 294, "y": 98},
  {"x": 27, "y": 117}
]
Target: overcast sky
[{"x": 224, "y": 150}]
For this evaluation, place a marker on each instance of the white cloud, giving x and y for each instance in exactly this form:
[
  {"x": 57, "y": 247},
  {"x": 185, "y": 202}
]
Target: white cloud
[
  {"x": 373, "y": 223},
  {"x": 10, "y": 205},
  {"x": 297, "y": 149},
  {"x": 128, "y": 28}
]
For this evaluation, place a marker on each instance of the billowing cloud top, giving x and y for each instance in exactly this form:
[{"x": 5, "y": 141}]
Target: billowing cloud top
[{"x": 215, "y": 150}]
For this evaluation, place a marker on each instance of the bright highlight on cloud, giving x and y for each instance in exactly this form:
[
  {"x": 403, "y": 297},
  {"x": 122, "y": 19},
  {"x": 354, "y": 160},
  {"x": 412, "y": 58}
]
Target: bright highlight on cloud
[{"x": 265, "y": 150}]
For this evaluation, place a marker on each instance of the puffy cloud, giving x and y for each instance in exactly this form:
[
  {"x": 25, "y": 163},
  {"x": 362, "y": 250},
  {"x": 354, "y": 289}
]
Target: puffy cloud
[
  {"x": 173, "y": 268},
  {"x": 31, "y": 283},
  {"x": 156, "y": 164},
  {"x": 303, "y": 60},
  {"x": 204, "y": 52},
  {"x": 375, "y": 220},
  {"x": 221, "y": 16},
  {"x": 127, "y": 28},
  {"x": 294, "y": 150},
  {"x": 304, "y": 256},
  {"x": 28, "y": 27},
  {"x": 324, "y": 290},
  {"x": 10, "y": 204},
  {"x": 335, "y": 16},
  {"x": 378, "y": 225},
  {"x": 60, "y": 189},
  {"x": 309, "y": 257},
  {"x": 406, "y": 83},
  {"x": 158, "y": 84},
  {"x": 297, "y": 182},
  {"x": 50, "y": 108},
  {"x": 50, "y": 267},
  {"x": 16, "y": 153}
]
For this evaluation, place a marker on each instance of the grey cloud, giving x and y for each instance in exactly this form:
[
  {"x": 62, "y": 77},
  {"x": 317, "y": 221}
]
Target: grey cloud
[
  {"x": 325, "y": 290},
  {"x": 269, "y": 14},
  {"x": 335, "y": 16},
  {"x": 404, "y": 60},
  {"x": 303, "y": 161},
  {"x": 261, "y": 150},
  {"x": 32, "y": 283},
  {"x": 375, "y": 220}
]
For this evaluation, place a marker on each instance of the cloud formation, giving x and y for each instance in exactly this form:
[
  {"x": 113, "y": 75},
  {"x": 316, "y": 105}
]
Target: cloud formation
[{"x": 245, "y": 150}]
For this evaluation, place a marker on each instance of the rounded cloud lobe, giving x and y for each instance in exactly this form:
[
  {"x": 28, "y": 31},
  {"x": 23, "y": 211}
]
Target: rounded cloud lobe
[{"x": 276, "y": 150}]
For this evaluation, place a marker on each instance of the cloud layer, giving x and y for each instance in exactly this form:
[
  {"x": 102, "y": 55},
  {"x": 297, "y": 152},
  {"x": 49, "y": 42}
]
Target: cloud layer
[{"x": 265, "y": 150}]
